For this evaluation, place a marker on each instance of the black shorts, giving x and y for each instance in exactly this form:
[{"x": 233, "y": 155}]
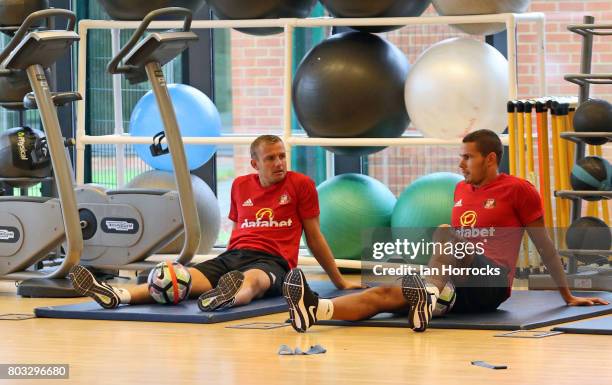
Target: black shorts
[
  {"x": 482, "y": 293},
  {"x": 242, "y": 260}
]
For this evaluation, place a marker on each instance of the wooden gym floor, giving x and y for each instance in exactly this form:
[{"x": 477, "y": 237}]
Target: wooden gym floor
[{"x": 117, "y": 352}]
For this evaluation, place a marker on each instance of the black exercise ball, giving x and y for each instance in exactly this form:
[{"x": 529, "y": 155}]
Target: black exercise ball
[
  {"x": 138, "y": 9},
  {"x": 594, "y": 115},
  {"x": 24, "y": 154},
  {"x": 378, "y": 8},
  {"x": 261, "y": 9},
  {"x": 352, "y": 86},
  {"x": 14, "y": 12},
  {"x": 588, "y": 233},
  {"x": 592, "y": 173},
  {"x": 13, "y": 88}
]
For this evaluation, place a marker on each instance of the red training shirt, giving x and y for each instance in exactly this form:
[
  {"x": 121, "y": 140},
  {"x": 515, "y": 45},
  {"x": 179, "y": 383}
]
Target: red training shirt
[
  {"x": 269, "y": 219},
  {"x": 503, "y": 207}
]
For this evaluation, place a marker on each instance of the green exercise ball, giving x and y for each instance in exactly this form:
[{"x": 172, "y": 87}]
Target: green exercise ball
[
  {"x": 423, "y": 206},
  {"x": 352, "y": 204}
]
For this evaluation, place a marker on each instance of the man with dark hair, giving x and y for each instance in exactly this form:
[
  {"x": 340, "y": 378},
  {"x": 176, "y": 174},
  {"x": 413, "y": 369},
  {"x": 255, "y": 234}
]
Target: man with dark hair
[
  {"x": 269, "y": 209},
  {"x": 487, "y": 142},
  {"x": 497, "y": 207}
]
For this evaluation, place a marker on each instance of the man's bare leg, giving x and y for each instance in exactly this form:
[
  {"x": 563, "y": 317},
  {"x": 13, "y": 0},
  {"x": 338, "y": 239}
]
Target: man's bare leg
[
  {"x": 256, "y": 283},
  {"x": 85, "y": 283},
  {"x": 358, "y": 306},
  {"x": 305, "y": 308},
  {"x": 415, "y": 294},
  {"x": 235, "y": 288},
  {"x": 392, "y": 299},
  {"x": 199, "y": 284}
]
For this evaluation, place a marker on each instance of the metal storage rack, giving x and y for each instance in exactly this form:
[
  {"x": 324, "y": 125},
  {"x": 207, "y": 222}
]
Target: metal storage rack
[{"x": 594, "y": 279}]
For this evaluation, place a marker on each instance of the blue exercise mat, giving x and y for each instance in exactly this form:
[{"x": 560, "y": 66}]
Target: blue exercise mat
[
  {"x": 524, "y": 310},
  {"x": 590, "y": 326},
  {"x": 186, "y": 312}
]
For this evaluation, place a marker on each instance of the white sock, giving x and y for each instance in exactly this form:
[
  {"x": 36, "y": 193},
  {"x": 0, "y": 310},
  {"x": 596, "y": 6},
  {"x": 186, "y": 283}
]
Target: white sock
[
  {"x": 432, "y": 289},
  {"x": 124, "y": 295},
  {"x": 325, "y": 310}
]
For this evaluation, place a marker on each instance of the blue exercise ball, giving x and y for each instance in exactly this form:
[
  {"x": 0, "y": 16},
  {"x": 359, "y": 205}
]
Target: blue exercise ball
[{"x": 196, "y": 115}]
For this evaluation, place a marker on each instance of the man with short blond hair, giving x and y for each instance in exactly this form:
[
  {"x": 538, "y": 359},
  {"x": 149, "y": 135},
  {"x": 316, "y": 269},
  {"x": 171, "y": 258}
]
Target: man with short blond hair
[{"x": 270, "y": 209}]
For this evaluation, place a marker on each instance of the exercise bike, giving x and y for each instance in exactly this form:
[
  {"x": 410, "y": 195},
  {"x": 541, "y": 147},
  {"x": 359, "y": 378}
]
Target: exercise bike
[
  {"x": 108, "y": 229},
  {"x": 31, "y": 227},
  {"x": 121, "y": 228}
]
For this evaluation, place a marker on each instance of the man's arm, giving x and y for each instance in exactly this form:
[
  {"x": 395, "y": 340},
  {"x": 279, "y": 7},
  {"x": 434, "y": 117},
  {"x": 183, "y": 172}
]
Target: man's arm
[
  {"x": 538, "y": 234},
  {"x": 323, "y": 254}
]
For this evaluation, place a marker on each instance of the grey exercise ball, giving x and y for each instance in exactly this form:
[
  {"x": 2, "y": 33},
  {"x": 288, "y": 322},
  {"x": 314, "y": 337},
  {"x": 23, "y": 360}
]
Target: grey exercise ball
[
  {"x": 480, "y": 7},
  {"x": 206, "y": 203}
]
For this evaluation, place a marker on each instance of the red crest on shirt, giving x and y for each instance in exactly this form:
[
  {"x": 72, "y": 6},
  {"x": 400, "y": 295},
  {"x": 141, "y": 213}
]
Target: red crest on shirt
[{"x": 284, "y": 199}]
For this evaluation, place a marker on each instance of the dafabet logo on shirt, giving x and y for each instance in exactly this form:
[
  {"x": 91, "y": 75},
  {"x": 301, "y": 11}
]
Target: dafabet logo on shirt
[
  {"x": 265, "y": 218},
  {"x": 468, "y": 218},
  {"x": 262, "y": 213}
]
